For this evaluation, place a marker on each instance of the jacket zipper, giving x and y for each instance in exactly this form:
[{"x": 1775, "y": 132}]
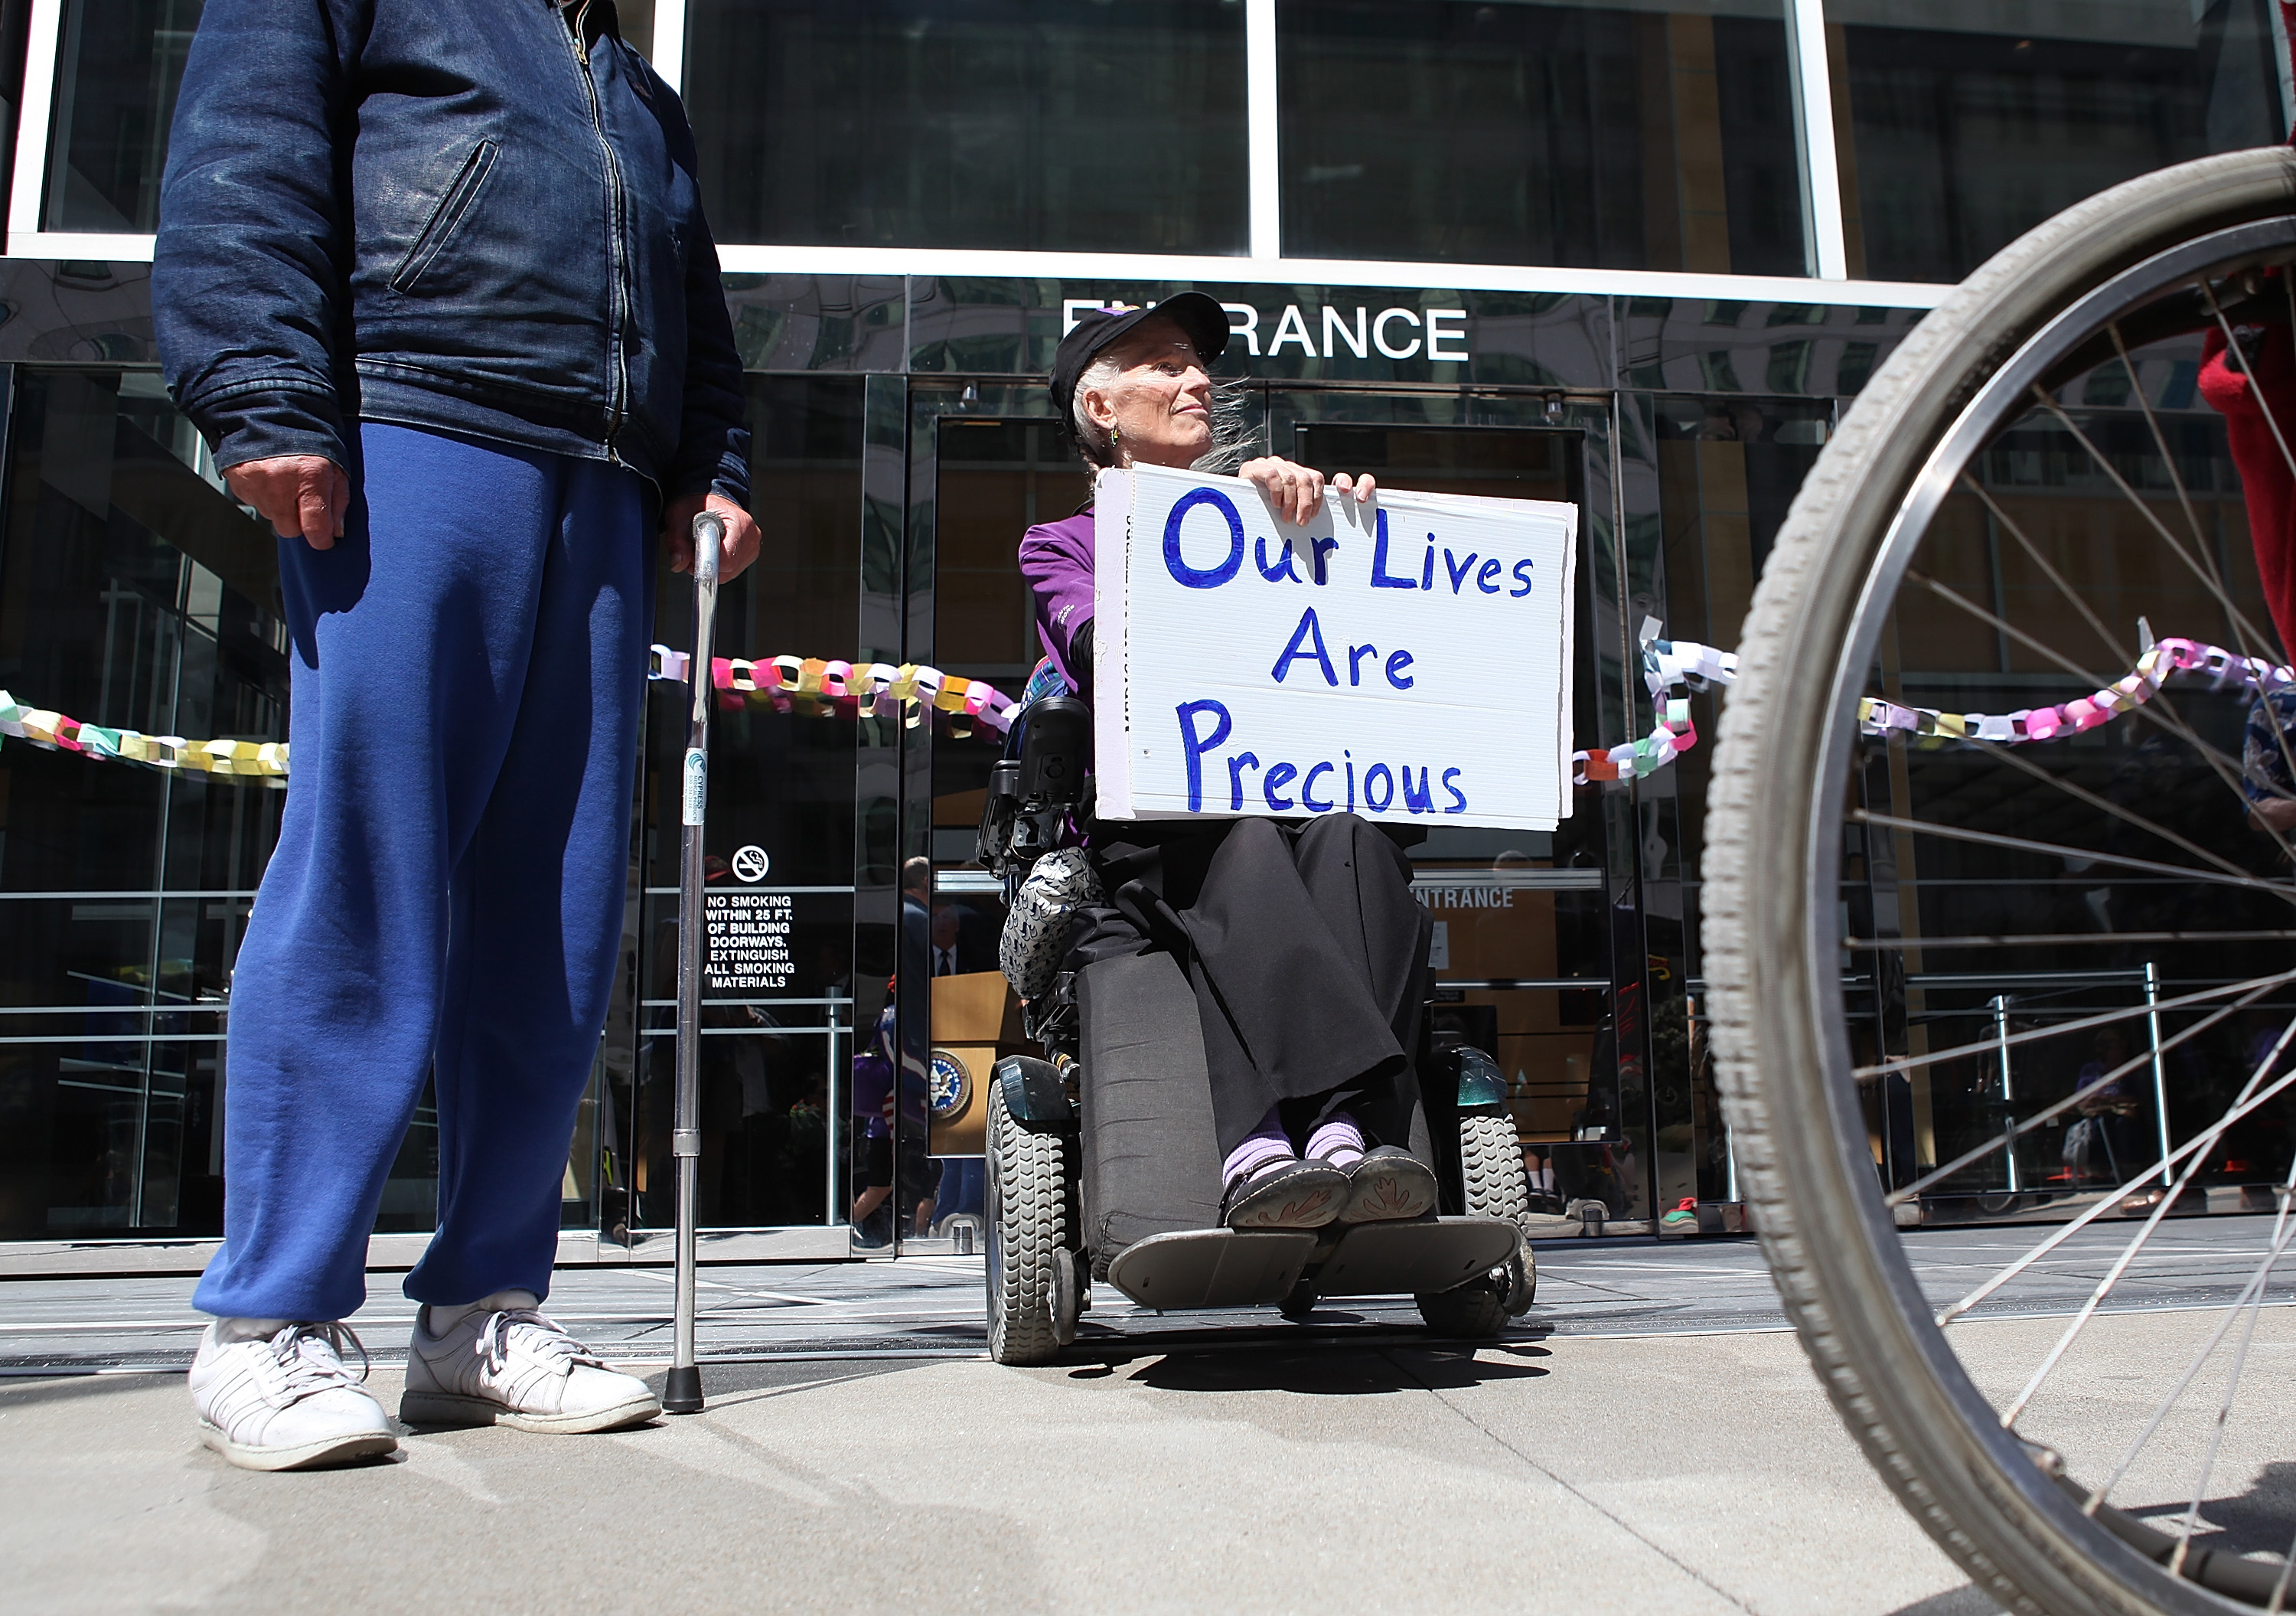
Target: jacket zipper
[{"x": 618, "y": 386}]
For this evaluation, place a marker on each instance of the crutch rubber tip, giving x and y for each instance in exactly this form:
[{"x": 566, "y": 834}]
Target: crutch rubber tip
[{"x": 680, "y": 1392}]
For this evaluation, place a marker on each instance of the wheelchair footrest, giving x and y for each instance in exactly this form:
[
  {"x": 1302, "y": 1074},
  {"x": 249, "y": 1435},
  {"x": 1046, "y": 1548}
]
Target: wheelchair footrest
[
  {"x": 1257, "y": 1268},
  {"x": 1212, "y": 1268},
  {"x": 1413, "y": 1259}
]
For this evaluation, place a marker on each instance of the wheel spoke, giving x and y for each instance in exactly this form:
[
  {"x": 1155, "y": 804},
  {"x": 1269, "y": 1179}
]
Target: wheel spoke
[
  {"x": 2164, "y": 717},
  {"x": 2193, "y": 1152},
  {"x": 2053, "y": 849},
  {"x": 2263, "y": 405},
  {"x": 2058, "y": 939},
  {"x": 2009, "y": 755},
  {"x": 2251, "y": 1296},
  {"x": 2240, "y": 619},
  {"x": 2104, "y": 1018},
  {"x": 2176, "y": 479},
  {"x": 1999, "y": 1141}
]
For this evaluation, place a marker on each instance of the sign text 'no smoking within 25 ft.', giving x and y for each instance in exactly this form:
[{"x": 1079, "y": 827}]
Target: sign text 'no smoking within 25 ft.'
[{"x": 1407, "y": 660}]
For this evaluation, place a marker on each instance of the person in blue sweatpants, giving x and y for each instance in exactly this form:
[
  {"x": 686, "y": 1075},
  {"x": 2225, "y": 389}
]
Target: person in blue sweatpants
[
  {"x": 432, "y": 278},
  {"x": 446, "y": 894}
]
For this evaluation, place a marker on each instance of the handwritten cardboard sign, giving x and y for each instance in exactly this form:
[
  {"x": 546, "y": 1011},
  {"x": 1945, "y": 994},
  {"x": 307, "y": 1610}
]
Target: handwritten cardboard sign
[{"x": 1409, "y": 660}]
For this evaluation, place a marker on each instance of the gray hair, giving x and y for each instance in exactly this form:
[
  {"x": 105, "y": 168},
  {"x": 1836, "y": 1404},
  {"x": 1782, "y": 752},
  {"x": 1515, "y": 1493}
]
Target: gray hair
[{"x": 1231, "y": 432}]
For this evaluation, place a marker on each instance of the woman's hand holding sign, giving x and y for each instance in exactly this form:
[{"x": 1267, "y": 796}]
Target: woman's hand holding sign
[{"x": 1296, "y": 492}]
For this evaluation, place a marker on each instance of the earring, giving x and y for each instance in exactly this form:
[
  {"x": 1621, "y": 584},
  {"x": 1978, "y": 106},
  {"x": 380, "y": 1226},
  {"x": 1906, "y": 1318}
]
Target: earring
[{"x": 1115, "y": 434}]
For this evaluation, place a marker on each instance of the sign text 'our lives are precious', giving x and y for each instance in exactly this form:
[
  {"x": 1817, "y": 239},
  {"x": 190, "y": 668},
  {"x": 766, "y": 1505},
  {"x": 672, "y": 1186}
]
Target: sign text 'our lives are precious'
[{"x": 1404, "y": 660}]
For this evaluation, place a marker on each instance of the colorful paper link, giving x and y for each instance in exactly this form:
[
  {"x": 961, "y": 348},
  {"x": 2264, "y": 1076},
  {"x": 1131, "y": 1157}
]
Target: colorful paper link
[
  {"x": 1671, "y": 665},
  {"x": 812, "y": 685},
  {"x": 822, "y": 688},
  {"x": 264, "y": 761}
]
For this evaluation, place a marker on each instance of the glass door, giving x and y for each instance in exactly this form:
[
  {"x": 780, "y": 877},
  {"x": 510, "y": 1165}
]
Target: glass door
[{"x": 1536, "y": 956}]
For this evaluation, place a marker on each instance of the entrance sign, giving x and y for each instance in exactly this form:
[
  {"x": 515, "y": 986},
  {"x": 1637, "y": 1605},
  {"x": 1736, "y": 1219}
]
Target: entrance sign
[{"x": 1407, "y": 660}]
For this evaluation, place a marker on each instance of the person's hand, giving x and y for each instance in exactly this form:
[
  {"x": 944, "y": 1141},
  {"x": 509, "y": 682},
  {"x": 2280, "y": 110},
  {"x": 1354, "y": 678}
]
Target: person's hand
[
  {"x": 2277, "y": 813},
  {"x": 739, "y": 548},
  {"x": 304, "y": 495},
  {"x": 1297, "y": 491}
]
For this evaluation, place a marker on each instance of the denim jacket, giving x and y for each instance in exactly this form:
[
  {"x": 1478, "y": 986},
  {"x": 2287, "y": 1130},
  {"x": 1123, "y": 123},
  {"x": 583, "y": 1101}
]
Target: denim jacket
[{"x": 452, "y": 214}]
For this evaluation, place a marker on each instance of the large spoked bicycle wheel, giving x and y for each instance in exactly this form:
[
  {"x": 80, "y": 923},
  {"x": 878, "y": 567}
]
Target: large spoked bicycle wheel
[{"x": 2002, "y": 964}]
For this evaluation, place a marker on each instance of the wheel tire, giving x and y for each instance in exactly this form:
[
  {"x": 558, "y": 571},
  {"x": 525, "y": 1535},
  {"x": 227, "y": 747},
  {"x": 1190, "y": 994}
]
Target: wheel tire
[
  {"x": 1027, "y": 1215},
  {"x": 1491, "y": 1165},
  {"x": 1476, "y": 1312},
  {"x": 1829, "y": 1241}
]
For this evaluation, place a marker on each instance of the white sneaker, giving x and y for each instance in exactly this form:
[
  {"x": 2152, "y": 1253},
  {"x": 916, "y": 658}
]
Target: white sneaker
[
  {"x": 512, "y": 1366},
  {"x": 284, "y": 1401}
]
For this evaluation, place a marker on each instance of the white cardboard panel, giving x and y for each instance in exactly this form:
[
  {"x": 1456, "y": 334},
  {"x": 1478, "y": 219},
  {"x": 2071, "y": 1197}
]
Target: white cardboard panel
[{"x": 1246, "y": 666}]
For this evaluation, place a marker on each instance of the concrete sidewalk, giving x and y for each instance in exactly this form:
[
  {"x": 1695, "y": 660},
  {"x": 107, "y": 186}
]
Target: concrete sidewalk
[
  {"x": 1691, "y": 1475},
  {"x": 1648, "y": 1438}
]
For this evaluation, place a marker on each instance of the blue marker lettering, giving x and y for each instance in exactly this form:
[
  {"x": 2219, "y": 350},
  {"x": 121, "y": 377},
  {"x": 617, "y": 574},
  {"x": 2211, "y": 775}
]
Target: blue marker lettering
[
  {"x": 1176, "y": 564},
  {"x": 1309, "y": 629},
  {"x": 1427, "y": 567},
  {"x": 1458, "y": 569},
  {"x": 1380, "y": 577},
  {"x": 1418, "y": 796},
  {"x": 1522, "y": 572},
  {"x": 1196, "y": 746},
  {"x": 1488, "y": 571},
  {"x": 1458, "y": 797},
  {"x": 1278, "y": 774},
  {"x": 1308, "y": 786},
  {"x": 1350, "y": 757},
  {"x": 1281, "y": 569},
  {"x": 1395, "y": 676},
  {"x": 1379, "y": 787},
  {"x": 1323, "y": 547},
  {"x": 1355, "y": 654},
  {"x": 1235, "y": 767}
]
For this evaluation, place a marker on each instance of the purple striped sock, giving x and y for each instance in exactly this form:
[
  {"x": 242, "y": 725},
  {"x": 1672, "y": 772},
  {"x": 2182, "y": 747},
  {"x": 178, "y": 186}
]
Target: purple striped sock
[
  {"x": 1339, "y": 1141},
  {"x": 1267, "y": 1144}
]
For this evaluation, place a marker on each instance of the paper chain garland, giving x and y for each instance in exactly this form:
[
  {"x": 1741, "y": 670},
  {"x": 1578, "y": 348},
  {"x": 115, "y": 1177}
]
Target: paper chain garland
[
  {"x": 877, "y": 689},
  {"x": 814, "y": 687},
  {"x": 1668, "y": 665},
  {"x": 266, "y": 760}
]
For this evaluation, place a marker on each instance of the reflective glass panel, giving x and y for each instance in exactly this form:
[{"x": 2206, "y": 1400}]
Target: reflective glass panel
[
  {"x": 993, "y": 123},
  {"x": 1619, "y": 137},
  {"x": 133, "y": 594},
  {"x": 1968, "y": 124},
  {"x": 778, "y": 1007},
  {"x": 118, "y": 65}
]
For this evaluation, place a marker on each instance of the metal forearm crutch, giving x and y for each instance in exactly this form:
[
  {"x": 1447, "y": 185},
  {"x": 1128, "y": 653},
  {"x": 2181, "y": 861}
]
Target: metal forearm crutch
[{"x": 680, "y": 1392}]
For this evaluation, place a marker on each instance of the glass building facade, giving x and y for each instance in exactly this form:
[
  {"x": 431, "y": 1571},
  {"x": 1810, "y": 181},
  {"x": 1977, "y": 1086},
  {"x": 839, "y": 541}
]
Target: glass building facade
[{"x": 1638, "y": 256}]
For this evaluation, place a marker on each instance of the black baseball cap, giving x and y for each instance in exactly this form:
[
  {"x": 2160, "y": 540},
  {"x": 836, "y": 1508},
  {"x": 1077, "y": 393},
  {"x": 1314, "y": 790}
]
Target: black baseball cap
[{"x": 1202, "y": 318}]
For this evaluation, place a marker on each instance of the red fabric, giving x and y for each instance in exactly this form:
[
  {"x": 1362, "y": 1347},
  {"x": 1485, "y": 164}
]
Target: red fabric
[{"x": 2264, "y": 474}]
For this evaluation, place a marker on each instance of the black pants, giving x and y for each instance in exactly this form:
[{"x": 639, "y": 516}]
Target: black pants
[{"x": 1307, "y": 950}]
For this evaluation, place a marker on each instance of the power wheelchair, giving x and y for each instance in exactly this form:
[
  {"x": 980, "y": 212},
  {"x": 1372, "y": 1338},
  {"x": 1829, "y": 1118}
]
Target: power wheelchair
[{"x": 1102, "y": 1159}]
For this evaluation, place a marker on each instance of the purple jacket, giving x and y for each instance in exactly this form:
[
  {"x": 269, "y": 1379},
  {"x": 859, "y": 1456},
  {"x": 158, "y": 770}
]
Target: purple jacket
[{"x": 1056, "y": 559}]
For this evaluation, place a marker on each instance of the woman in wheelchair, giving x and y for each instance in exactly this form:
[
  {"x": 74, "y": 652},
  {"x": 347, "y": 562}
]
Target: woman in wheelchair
[{"x": 1302, "y": 940}]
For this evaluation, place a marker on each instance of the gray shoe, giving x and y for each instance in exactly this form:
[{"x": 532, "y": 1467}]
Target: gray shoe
[
  {"x": 1287, "y": 1195},
  {"x": 511, "y": 1366},
  {"x": 1388, "y": 1183}
]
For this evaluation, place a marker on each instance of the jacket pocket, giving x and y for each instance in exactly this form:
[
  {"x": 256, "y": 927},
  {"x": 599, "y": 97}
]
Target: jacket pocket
[{"x": 447, "y": 217}]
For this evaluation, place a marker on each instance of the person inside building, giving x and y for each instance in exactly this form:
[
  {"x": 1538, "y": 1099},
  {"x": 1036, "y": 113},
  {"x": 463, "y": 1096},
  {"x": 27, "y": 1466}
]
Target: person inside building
[
  {"x": 1307, "y": 950},
  {"x": 433, "y": 281}
]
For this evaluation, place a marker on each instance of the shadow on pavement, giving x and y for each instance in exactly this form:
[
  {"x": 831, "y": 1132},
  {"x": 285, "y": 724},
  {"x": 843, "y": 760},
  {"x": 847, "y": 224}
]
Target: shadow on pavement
[
  {"x": 27, "y": 1393},
  {"x": 1326, "y": 1372},
  {"x": 1969, "y": 1600},
  {"x": 2246, "y": 1522}
]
